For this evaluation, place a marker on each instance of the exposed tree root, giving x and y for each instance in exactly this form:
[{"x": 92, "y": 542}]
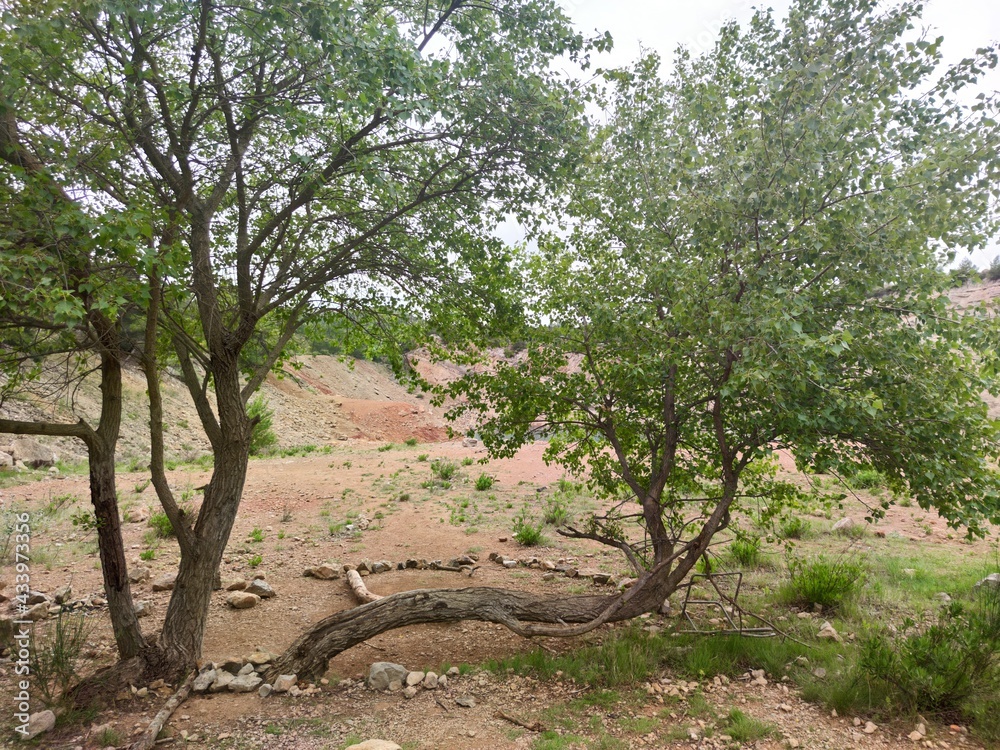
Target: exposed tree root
[
  {"x": 148, "y": 738},
  {"x": 357, "y": 584}
]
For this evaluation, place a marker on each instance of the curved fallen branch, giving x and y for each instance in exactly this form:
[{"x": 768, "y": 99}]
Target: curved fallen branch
[
  {"x": 361, "y": 591},
  {"x": 148, "y": 738}
]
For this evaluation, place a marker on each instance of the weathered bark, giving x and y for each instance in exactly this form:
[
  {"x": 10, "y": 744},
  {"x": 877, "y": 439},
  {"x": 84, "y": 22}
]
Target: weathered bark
[
  {"x": 184, "y": 626},
  {"x": 307, "y": 657}
]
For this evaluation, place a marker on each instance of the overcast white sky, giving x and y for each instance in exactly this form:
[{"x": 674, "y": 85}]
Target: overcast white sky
[{"x": 663, "y": 24}]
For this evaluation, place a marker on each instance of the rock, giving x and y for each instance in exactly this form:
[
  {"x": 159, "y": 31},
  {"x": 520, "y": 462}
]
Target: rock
[
  {"x": 915, "y": 736},
  {"x": 395, "y": 686},
  {"x": 870, "y": 728},
  {"x": 139, "y": 574},
  {"x": 826, "y": 630},
  {"x": 231, "y": 665},
  {"x": 221, "y": 681},
  {"x": 991, "y": 581},
  {"x": 375, "y": 745},
  {"x": 942, "y": 598},
  {"x": 36, "y": 613},
  {"x": 237, "y": 585},
  {"x": 264, "y": 690},
  {"x": 414, "y": 678},
  {"x": 844, "y": 524},
  {"x": 259, "y": 658},
  {"x": 466, "y": 701},
  {"x": 601, "y": 578},
  {"x": 443, "y": 682},
  {"x": 260, "y": 588},
  {"x": 33, "y": 455},
  {"x": 470, "y": 443},
  {"x": 63, "y": 595},
  {"x": 6, "y": 460},
  {"x": 245, "y": 670},
  {"x": 136, "y": 515},
  {"x": 245, "y": 683},
  {"x": 509, "y": 563},
  {"x": 819, "y": 672},
  {"x": 410, "y": 691},
  {"x": 37, "y": 597},
  {"x": 242, "y": 600},
  {"x": 38, "y": 723},
  {"x": 381, "y": 673},
  {"x": 165, "y": 583},
  {"x": 430, "y": 681},
  {"x": 922, "y": 729},
  {"x": 325, "y": 572},
  {"x": 204, "y": 681},
  {"x": 285, "y": 682}
]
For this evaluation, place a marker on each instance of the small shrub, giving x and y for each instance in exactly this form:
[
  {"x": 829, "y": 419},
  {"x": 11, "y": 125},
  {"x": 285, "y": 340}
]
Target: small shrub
[
  {"x": 484, "y": 483},
  {"x": 110, "y": 737},
  {"x": 147, "y": 555},
  {"x": 468, "y": 461},
  {"x": 386, "y": 447},
  {"x": 556, "y": 512},
  {"x": 746, "y": 552},
  {"x": 951, "y": 668},
  {"x": 160, "y": 523},
  {"x": 422, "y": 457},
  {"x": 822, "y": 581},
  {"x": 411, "y": 442},
  {"x": 992, "y": 273},
  {"x": 403, "y": 497},
  {"x": 866, "y": 479},
  {"x": 254, "y": 561},
  {"x": 743, "y": 728},
  {"x": 53, "y": 656},
  {"x": 257, "y": 535},
  {"x": 794, "y": 528},
  {"x": 263, "y": 437},
  {"x": 526, "y": 533},
  {"x": 444, "y": 470}
]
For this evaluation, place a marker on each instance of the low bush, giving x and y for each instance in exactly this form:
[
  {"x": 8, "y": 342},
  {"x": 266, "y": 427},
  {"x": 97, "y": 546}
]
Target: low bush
[
  {"x": 263, "y": 437},
  {"x": 556, "y": 512},
  {"x": 484, "y": 483},
  {"x": 443, "y": 469},
  {"x": 54, "y": 653},
  {"x": 950, "y": 669},
  {"x": 746, "y": 552},
  {"x": 743, "y": 728},
  {"x": 160, "y": 523},
  {"x": 526, "y": 533},
  {"x": 821, "y": 581},
  {"x": 794, "y": 528}
]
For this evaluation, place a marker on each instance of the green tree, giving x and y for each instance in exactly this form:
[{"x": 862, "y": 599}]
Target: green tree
[
  {"x": 750, "y": 263},
  {"x": 343, "y": 157},
  {"x": 59, "y": 315}
]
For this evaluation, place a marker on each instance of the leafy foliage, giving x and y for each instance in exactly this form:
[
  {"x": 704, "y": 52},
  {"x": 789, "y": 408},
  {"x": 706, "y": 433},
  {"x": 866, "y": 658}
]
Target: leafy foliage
[
  {"x": 263, "y": 437},
  {"x": 764, "y": 229},
  {"x": 822, "y": 581}
]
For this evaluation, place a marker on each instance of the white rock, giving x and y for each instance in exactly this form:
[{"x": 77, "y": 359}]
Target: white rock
[
  {"x": 242, "y": 600},
  {"x": 285, "y": 682},
  {"x": 245, "y": 683},
  {"x": 414, "y": 678},
  {"x": 375, "y": 745},
  {"x": 870, "y": 728},
  {"x": 844, "y": 524},
  {"x": 38, "y": 723},
  {"x": 381, "y": 673}
]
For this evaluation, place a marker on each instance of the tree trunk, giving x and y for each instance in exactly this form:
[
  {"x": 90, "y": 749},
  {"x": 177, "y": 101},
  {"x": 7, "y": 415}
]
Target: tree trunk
[
  {"x": 307, "y": 657},
  {"x": 184, "y": 626},
  {"x": 128, "y": 634}
]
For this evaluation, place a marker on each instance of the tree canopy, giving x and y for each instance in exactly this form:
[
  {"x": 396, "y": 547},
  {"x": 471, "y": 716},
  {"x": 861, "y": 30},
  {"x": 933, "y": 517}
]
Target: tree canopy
[{"x": 749, "y": 262}]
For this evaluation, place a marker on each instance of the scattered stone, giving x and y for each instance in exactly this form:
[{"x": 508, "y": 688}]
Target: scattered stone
[
  {"x": 509, "y": 563},
  {"x": 601, "y": 578},
  {"x": 375, "y": 745},
  {"x": 470, "y": 443},
  {"x": 165, "y": 583},
  {"x": 222, "y": 681},
  {"x": 285, "y": 682},
  {"x": 991, "y": 581},
  {"x": 265, "y": 690},
  {"x": 36, "y": 613},
  {"x": 943, "y": 598},
  {"x": 39, "y": 723},
  {"x": 245, "y": 670},
  {"x": 915, "y": 736},
  {"x": 242, "y": 600},
  {"x": 204, "y": 681},
  {"x": 430, "y": 681},
  {"x": 381, "y": 673},
  {"x": 466, "y": 701},
  {"x": 819, "y": 672},
  {"x": 6, "y": 460},
  {"x": 323, "y": 572},
  {"x": 548, "y": 576},
  {"x": 454, "y": 671},
  {"x": 37, "y": 597},
  {"x": 33, "y": 455},
  {"x": 245, "y": 683},
  {"x": 139, "y": 574},
  {"x": 260, "y": 658},
  {"x": 414, "y": 678},
  {"x": 443, "y": 682},
  {"x": 870, "y": 728},
  {"x": 410, "y": 692},
  {"x": 844, "y": 524},
  {"x": 395, "y": 686},
  {"x": 238, "y": 585},
  {"x": 260, "y": 588},
  {"x": 63, "y": 595},
  {"x": 826, "y": 630},
  {"x": 382, "y": 566},
  {"x": 571, "y": 572}
]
